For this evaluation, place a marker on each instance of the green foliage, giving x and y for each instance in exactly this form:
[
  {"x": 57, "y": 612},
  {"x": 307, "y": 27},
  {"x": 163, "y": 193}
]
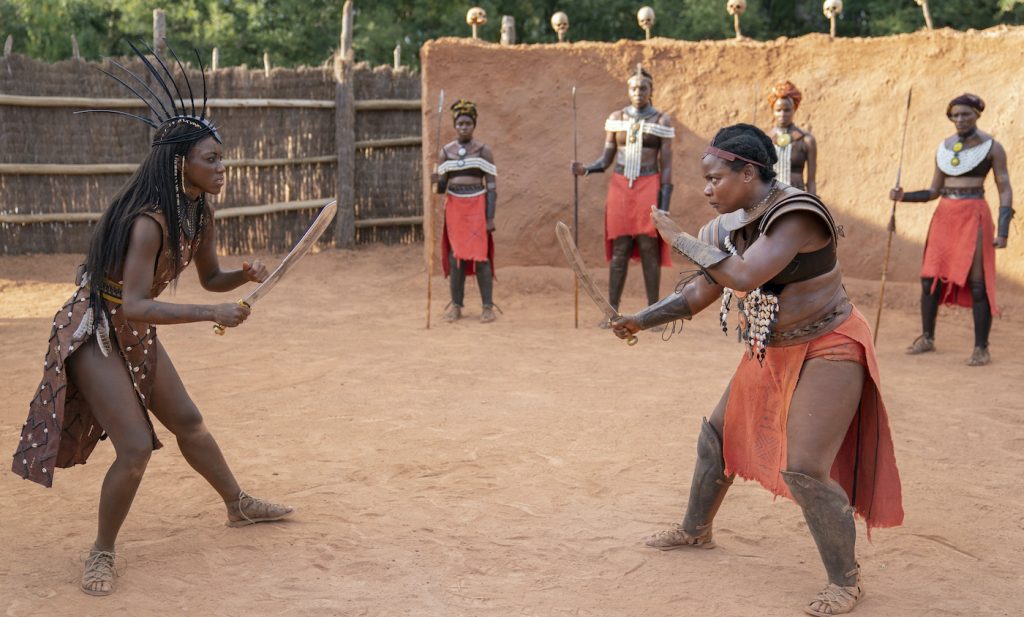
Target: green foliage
[{"x": 306, "y": 32}]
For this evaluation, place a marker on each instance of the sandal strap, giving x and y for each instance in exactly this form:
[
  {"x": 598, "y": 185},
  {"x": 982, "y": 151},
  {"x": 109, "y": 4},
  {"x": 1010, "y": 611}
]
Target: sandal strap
[
  {"x": 837, "y": 599},
  {"x": 101, "y": 567},
  {"x": 265, "y": 508}
]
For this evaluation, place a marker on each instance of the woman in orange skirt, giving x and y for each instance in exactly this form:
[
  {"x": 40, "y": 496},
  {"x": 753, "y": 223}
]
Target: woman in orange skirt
[
  {"x": 803, "y": 415},
  {"x": 467, "y": 176},
  {"x": 959, "y": 266}
]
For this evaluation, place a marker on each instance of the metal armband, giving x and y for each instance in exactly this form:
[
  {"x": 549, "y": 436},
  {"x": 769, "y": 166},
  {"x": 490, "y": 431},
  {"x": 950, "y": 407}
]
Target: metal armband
[
  {"x": 1005, "y": 216},
  {"x": 917, "y": 196},
  {"x": 664, "y": 197},
  {"x": 700, "y": 253},
  {"x": 668, "y": 309},
  {"x": 492, "y": 199}
]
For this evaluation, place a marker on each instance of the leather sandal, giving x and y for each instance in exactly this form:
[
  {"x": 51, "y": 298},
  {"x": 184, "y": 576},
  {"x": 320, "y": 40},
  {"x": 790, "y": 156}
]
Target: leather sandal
[
  {"x": 835, "y": 600},
  {"x": 100, "y": 567},
  {"x": 254, "y": 510},
  {"x": 980, "y": 357},
  {"x": 922, "y": 344}
]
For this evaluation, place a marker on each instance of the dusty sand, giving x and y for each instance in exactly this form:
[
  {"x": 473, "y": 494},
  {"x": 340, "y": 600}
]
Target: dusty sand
[{"x": 502, "y": 469}]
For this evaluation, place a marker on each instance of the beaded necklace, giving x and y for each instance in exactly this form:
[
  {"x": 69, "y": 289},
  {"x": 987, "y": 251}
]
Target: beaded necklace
[{"x": 758, "y": 309}]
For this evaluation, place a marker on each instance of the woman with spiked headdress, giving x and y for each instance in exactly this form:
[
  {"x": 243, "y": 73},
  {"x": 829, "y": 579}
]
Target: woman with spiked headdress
[
  {"x": 959, "y": 264},
  {"x": 466, "y": 175},
  {"x": 794, "y": 147},
  {"x": 802, "y": 414},
  {"x": 638, "y": 140},
  {"x": 105, "y": 369}
]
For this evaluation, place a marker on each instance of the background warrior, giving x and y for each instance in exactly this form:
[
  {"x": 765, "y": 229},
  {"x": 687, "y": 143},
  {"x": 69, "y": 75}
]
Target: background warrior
[{"x": 638, "y": 140}]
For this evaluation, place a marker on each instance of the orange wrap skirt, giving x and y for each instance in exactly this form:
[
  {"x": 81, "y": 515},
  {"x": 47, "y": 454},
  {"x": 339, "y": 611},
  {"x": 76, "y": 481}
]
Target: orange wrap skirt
[
  {"x": 465, "y": 232},
  {"x": 627, "y": 212},
  {"x": 758, "y": 409},
  {"x": 949, "y": 249}
]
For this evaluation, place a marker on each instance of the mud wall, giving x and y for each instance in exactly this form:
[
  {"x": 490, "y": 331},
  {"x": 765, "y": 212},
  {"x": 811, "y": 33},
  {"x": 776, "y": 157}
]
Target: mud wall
[{"x": 854, "y": 95}]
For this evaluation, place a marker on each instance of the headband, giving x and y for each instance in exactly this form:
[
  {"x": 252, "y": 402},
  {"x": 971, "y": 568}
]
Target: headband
[
  {"x": 971, "y": 100},
  {"x": 729, "y": 156},
  {"x": 165, "y": 119}
]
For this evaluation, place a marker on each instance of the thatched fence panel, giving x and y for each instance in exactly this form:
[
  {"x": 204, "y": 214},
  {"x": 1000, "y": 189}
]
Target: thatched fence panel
[
  {"x": 285, "y": 119},
  {"x": 387, "y": 180}
]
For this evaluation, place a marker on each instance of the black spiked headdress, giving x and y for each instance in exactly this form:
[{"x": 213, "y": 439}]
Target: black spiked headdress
[{"x": 165, "y": 119}]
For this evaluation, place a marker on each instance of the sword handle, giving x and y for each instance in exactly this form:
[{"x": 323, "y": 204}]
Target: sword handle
[
  {"x": 218, "y": 329},
  {"x": 631, "y": 339}
]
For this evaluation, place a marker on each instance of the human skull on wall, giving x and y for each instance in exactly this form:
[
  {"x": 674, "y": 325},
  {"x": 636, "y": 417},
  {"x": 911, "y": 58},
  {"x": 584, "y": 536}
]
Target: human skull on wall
[
  {"x": 736, "y": 7},
  {"x": 832, "y": 8},
  {"x": 645, "y": 17},
  {"x": 560, "y": 22},
  {"x": 476, "y": 16}
]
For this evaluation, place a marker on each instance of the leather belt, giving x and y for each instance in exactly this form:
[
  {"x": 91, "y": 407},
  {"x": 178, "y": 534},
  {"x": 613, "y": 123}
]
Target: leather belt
[{"x": 968, "y": 192}]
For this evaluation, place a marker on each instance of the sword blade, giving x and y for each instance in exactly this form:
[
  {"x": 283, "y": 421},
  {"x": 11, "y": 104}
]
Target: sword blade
[
  {"x": 572, "y": 254},
  {"x": 302, "y": 247}
]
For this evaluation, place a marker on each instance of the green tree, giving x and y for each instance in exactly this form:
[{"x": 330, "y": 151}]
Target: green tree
[{"x": 306, "y": 32}]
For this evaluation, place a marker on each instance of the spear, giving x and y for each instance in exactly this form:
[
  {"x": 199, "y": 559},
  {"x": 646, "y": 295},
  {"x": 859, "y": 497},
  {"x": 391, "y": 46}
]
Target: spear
[
  {"x": 575, "y": 213},
  {"x": 892, "y": 216},
  {"x": 429, "y": 235}
]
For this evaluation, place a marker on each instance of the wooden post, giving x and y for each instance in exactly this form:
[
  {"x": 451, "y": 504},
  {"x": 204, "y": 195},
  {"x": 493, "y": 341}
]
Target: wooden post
[
  {"x": 398, "y": 56},
  {"x": 215, "y": 61},
  {"x": 8, "y": 45},
  {"x": 346, "y": 30},
  {"x": 266, "y": 64},
  {"x": 344, "y": 135},
  {"x": 160, "y": 31},
  {"x": 74, "y": 48},
  {"x": 927, "y": 13},
  {"x": 508, "y": 30}
]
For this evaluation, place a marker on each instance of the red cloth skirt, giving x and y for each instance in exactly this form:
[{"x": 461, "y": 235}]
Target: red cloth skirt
[
  {"x": 465, "y": 232},
  {"x": 949, "y": 249},
  {"x": 757, "y": 411},
  {"x": 627, "y": 212}
]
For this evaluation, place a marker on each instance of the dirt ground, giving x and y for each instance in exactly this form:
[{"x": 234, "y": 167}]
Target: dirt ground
[{"x": 497, "y": 470}]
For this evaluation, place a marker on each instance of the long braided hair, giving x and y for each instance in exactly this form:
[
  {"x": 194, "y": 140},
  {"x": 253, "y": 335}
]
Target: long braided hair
[
  {"x": 155, "y": 184},
  {"x": 750, "y": 142}
]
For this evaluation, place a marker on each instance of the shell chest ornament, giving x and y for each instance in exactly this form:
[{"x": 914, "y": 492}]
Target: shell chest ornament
[
  {"x": 758, "y": 311},
  {"x": 958, "y": 160}
]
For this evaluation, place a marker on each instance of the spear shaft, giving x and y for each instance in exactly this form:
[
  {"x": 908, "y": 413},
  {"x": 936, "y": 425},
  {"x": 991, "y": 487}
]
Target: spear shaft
[
  {"x": 575, "y": 213},
  {"x": 892, "y": 217},
  {"x": 429, "y": 221}
]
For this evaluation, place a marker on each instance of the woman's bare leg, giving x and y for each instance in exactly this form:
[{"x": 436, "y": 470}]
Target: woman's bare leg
[
  {"x": 105, "y": 384},
  {"x": 174, "y": 408}
]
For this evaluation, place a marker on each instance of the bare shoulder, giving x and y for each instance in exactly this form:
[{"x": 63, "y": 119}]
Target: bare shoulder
[
  {"x": 665, "y": 119},
  {"x": 618, "y": 114},
  {"x": 146, "y": 231},
  {"x": 486, "y": 153}
]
